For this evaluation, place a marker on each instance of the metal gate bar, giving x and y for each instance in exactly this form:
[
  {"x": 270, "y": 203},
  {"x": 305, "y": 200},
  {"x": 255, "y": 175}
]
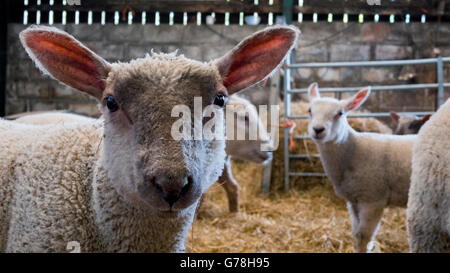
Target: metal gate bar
[{"x": 440, "y": 85}]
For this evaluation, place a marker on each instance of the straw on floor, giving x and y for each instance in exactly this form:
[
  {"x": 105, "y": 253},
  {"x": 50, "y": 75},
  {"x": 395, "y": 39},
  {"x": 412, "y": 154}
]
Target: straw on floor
[{"x": 309, "y": 218}]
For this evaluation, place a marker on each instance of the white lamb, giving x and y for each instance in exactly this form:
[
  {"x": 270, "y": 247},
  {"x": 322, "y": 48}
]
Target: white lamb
[
  {"x": 428, "y": 212},
  {"x": 121, "y": 184},
  {"x": 369, "y": 170},
  {"x": 248, "y": 150}
]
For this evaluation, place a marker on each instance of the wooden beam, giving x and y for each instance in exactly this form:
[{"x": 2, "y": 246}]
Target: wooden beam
[
  {"x": 219, "y": 6},
  {"x": 416, "y": 7},
  {"x": 287, "y": 11}
]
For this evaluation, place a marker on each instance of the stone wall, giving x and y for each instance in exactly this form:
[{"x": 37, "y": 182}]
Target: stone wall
[{"x": 28, "y": 90}]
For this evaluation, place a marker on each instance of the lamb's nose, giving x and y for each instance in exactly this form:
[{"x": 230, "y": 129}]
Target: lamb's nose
[
  {"x": 171, "y": 188},
  {"x": 318, "y": 130}
]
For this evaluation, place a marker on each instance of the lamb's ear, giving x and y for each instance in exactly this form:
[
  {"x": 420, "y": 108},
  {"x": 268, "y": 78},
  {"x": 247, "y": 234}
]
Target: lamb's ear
[
  {"x": 253, "y": 59},
  {"x": 60, "y": 55},
  {"x": 313, "y": 91},
  {"x": 355, "y": 102},
  {"x": 394, "y": 115}
]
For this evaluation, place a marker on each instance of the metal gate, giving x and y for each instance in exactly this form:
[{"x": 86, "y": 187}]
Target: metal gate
[{"x": 288, "y": 91}]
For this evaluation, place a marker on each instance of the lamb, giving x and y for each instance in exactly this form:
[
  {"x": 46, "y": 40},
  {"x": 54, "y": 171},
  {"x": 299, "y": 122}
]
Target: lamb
[
  {"x": 249, "y": 150},
  {"x": 406, "y": 125},
  {"x": 121, "y": 183},
  {"x": 428, "y": 212},
  {"x": 369, "y": 170}
]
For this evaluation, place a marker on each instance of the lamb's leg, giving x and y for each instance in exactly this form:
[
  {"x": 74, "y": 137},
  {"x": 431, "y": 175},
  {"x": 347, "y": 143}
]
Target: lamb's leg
[
  {"x": 231, "y": 187},
  {"x": 365, "y": 220}
]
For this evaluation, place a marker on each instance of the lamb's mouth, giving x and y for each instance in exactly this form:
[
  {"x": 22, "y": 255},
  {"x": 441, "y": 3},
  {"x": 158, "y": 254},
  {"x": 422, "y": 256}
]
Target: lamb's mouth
[
  {"x": 167, "y": 213},
  {"x": 318, "y": 137},
  {"x": 265, "y": 158}
]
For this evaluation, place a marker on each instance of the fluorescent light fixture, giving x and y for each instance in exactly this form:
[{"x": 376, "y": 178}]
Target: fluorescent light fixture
[
  {"x": 199, "y": 18},
  {"x": 116, "y": 18},
  {"x": 144, "y": 18},
  {"x": 227, "y": 18},
  {"x": 50, "y": 17},
  {"x": 25, "y": 17},
  {"x": 171, "y": 15},
  {"x": 103, "y": 19},
  {"x": 157, "y": 18},
  {"x": 90, "y": 17},
  {"x": 38, "y": 17},
  {"x": 64, "y": 17},
  {"x": 361, "y": 18}
]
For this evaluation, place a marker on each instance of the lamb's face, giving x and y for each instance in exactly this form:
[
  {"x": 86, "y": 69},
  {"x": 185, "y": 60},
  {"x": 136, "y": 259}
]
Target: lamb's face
[
  {"x": 143, "y": 160},
  {"x": 406, "y": 125},
  {"x": 141, "y": 155},
  {"x": 326, "y": 119},
  {"x": 246, "y": 119},
  {"x": 328, "y": 116},
  {"x": 403, "y": 126}
]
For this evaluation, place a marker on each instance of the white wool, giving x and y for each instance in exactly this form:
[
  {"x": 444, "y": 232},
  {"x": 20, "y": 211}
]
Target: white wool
[
  {"x": 369, "y": 170},
  {"x": 59, "y": 194},
  {"x": 243, "y": 149},
  {"x": 428, "y": 212},
  {"x": 52, "y": 118}
]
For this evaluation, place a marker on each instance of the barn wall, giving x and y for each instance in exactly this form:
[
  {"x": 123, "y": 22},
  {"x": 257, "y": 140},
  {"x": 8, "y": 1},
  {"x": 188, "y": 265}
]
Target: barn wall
[{"x": 28, "y": 90}]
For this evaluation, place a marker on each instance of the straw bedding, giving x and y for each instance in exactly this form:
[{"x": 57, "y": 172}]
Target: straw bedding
[{"x": 309, "y": 218}]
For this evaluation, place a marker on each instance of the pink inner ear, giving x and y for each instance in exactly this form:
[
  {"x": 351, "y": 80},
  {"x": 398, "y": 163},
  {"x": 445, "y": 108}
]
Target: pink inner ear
[
  {"x": 358, "y": 99},
  {"x": 395, "y": 116},
  {"x": 67, "y": 60},
  {"x": 256, "y": 60},
  {"x": 426, "y": 118},
  {"x": 313, "y": 92}
]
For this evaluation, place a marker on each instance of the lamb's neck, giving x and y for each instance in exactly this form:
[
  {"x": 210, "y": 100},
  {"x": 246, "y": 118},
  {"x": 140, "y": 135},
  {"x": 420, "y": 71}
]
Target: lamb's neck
[
  {"x": 124, "y": 227},
  {"x": 337, "y": 156}
]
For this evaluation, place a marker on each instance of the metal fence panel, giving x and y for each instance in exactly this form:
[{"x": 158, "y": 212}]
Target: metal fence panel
[{"x": 440, "y": 85}]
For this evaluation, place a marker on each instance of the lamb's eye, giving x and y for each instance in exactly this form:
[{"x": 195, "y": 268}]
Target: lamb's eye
[
  {"x": 338, "y": 115},
  {"x": 112, "y": 104},
  {"x": 219, "y": 100}
]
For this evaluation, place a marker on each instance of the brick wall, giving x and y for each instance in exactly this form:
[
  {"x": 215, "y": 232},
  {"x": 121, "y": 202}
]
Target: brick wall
[{"x": 28, "y": 90}]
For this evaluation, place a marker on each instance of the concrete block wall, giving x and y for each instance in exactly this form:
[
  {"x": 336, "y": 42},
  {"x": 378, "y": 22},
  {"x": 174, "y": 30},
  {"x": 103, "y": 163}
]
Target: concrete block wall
[
  {"x": 324, "y": 42},
  {"x": 29, "y": 90}
]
